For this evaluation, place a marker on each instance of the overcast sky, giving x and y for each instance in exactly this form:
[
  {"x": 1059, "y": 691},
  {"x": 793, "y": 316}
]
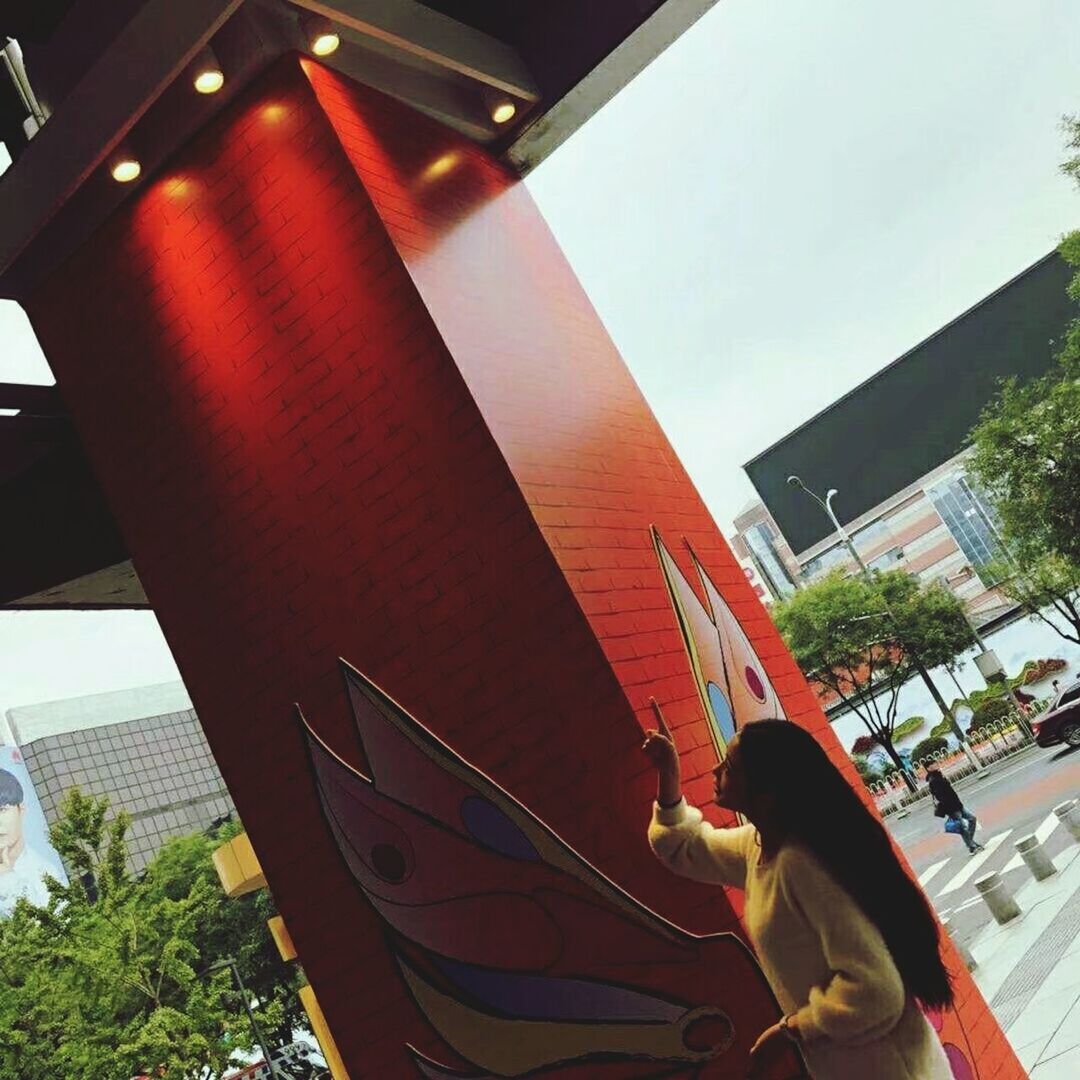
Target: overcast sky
[
  {"x": 798, "y": 191},
  {"x": 795, "y": 193}
]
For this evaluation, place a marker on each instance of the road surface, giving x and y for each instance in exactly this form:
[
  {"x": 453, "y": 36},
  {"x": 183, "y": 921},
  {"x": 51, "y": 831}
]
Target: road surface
[{"x": 1017, "y": 799}]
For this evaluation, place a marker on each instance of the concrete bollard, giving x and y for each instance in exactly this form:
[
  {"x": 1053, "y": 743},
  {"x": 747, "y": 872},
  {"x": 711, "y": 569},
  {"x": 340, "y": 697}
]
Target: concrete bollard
[
  {"x": 1068, "y": 813},
  {"x": 1034, "y": 854},
  {"x": 961, "y": 948},
  {"x": 997, "y": 898}
]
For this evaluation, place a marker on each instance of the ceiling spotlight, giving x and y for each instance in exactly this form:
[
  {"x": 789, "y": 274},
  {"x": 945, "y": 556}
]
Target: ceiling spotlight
[
  {"x": 321, "y": 36},
  {"x": 503, "y": 111},
  {"x": 125, "y": 168},
  {"x": 207, "y": 78},
  {"x": 325, "y": 44}
]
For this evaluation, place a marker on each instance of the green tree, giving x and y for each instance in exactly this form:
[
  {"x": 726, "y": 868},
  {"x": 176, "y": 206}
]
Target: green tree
[
  {"x": 1071, "y": 165},
  {"x": 1048, "y": 589},
  {"x": 858, "y": 640},
  {"x": 1026, "y": 454},
  {"x": 110, "y": 978},
  {"x": 1026, "y": 446},
  {"x": 866, "y": 771},
  {"x": 928, "y": 747},
  {"x": 989, "y": 713}
]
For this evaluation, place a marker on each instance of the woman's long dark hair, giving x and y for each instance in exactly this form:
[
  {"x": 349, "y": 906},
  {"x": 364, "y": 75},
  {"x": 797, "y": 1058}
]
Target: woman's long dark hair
[{"x": 816, "y": 807}]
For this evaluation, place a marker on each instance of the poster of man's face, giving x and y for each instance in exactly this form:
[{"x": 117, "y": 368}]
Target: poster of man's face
[{"x": 26, "y": 856}]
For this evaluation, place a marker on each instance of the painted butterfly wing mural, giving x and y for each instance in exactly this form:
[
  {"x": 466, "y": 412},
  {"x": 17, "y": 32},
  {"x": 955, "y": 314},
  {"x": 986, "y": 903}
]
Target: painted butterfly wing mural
[
  {"x": 735, "y": 691},
  {"x": 524, "y": 959},
  {"x": 730, "y": 678}
]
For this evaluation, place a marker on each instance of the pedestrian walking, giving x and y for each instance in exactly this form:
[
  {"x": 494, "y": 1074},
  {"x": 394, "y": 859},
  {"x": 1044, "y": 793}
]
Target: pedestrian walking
[
  {"x": 947, "y": 805},
  {"x": 845, "y": 937}
]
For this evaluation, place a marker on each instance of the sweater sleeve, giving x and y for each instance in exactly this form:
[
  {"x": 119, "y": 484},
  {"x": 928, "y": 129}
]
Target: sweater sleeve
[
  {"x": 689, "y": 846},
  {"x": 863, "y": 997}
]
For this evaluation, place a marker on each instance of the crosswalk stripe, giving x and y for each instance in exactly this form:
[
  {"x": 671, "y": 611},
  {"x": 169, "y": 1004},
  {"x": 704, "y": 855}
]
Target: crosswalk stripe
[
  {"x": 1050, "y": 823},
  {"x": 1042, "y": 834},
  {"x": 973, "y": 865},
  {"x": 930, "y": 871},
  {"x": 970, "y": 902}
]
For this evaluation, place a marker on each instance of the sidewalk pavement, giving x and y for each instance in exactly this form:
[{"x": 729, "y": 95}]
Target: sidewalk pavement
[{"x": 1029, "y": 972}]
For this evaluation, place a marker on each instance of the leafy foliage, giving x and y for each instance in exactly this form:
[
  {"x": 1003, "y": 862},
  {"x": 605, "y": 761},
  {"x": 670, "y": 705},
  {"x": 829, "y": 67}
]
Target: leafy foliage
[
  {"x": 940, "y": 730},
  {"x": 1047, "y": 589},
  {"x": 908, "y": 727},
  {"x": 1071, "y": 166},
  {"x": 858, "y": 640},
  {"x": 110, "y": 979},
  {"x": 868, "y": 772},
  {"x": 929, "y": 746},
  {"x": 864, "y": 744},
  {"x": 988, "y": 712},
  {"x": 1035, "y": 671},
  {"x": 1026, "y": 446}
]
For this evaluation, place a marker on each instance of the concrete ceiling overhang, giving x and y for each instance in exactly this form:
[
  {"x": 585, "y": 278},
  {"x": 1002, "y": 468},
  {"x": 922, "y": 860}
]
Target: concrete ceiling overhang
[{"x": 113, "y": 73}]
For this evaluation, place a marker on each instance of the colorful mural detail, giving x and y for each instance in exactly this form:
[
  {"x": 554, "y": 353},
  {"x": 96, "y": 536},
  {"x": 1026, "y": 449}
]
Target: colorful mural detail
[
  {"x": 730, "y": 678},
  {"x": 948, "y": 1027},
  {"x": 735, "y": 691},
  {"x": 525, "y": 959}
]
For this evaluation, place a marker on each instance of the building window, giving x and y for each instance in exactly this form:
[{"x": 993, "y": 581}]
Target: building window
[
  {"x": 827, "y": 560},
  {"x": 887, "y": 560},
  {"x": 873, "y": 534},
  {"x": 759, "y": 539},
  {"x": 970, "y": 519}
]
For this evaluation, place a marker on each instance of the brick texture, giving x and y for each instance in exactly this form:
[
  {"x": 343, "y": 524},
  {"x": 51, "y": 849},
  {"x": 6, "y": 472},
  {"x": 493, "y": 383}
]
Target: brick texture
[{"x": 346, "y": 397}]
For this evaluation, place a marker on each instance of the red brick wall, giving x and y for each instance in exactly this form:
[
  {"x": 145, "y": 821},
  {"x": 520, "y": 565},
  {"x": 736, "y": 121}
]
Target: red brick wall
[{"x": 346, "y": 398}]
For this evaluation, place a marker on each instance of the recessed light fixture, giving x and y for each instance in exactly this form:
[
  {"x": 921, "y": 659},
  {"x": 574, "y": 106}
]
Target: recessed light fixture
[
  {"x": 503, "y": 111},
  {"x": 125, "y": 168},
  {"x": 207, "y": 74},
  {"x": 321, "y": 36}
]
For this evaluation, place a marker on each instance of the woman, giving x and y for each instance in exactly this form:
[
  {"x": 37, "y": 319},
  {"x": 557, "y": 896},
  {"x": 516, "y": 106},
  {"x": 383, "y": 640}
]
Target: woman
[
  {"x": 947, "y": 804},
  {"x": 844, "y": 936}
]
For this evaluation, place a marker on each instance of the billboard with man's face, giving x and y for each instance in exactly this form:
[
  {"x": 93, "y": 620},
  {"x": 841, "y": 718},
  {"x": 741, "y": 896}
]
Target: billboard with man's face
[{"x": 26, "y": 856}]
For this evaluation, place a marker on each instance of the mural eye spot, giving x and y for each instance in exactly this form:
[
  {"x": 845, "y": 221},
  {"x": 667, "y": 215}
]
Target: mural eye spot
[
  {"x": 388, "y": 862},
  {"x": 754, "y": 683},
  {"x": 725, "y": 718},
  {"x": 961, "y": 1067},
  {"x": 489, "y": 826}
]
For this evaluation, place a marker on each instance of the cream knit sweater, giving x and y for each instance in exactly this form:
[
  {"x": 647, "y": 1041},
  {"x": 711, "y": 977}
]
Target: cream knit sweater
[{"x": 826, "y": 962}]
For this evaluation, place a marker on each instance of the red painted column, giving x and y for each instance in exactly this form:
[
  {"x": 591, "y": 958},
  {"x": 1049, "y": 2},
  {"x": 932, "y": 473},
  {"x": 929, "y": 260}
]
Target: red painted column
[{"x": 346, "y": 398}]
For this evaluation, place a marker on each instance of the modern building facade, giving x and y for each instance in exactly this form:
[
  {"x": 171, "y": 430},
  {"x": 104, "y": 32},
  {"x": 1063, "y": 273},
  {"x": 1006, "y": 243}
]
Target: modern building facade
[
  {"x": 156, "y": 766},
  {"x": 905, "y": 498},
  {"x": 941, "y": 528},
  {"x": 758, "y": 542}
]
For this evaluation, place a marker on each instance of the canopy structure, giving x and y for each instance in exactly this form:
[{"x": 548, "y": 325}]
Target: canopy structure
[{"x": 100, "y": 76}]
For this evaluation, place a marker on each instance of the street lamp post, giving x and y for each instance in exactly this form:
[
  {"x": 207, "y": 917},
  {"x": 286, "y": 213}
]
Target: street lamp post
[
  {"x": 230, "y": 963},
  {"x": 935, "y": 693}
]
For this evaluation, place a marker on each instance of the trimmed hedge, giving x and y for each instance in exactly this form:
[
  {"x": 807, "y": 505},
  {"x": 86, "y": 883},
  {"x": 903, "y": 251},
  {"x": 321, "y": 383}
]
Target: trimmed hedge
[{"x": 932, "y": 745}]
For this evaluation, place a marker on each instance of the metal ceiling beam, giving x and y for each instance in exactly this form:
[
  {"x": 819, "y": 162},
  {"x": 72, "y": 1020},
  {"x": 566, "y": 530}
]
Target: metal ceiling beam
[
  {"x": 550, "y": 130},
  {"x": 414, "y": 28},
  {"x": 34, "y": 400},
  {"x": 147, "y": 55},
  {"x": 17, "y": 431},
  {"x": 440, "y": 94}
]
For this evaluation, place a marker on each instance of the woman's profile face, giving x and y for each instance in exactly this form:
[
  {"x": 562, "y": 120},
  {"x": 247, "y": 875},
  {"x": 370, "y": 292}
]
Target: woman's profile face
[{"x": 730, "y": 780}]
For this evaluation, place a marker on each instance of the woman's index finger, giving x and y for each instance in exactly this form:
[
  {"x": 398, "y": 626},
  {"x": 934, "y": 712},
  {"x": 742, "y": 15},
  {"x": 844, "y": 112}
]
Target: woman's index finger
[{"x": 661, "y": 723}]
